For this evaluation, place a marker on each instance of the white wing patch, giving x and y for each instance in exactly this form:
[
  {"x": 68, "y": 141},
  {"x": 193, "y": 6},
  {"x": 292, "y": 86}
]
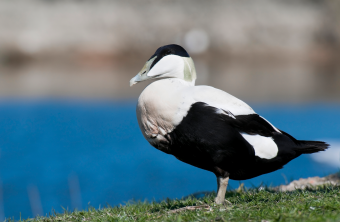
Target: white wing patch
[
  {"x": 264, "y": 147},
  {"x": 271, "y": 125},
  {"x": 225, "y": 112}
]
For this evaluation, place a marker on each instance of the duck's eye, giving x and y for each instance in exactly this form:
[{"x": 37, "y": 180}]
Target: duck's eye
[{"x": 168, "y": 52}]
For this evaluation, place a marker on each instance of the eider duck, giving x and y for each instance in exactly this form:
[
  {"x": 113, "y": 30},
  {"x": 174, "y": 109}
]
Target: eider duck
[{"x": 207, "y": 127}]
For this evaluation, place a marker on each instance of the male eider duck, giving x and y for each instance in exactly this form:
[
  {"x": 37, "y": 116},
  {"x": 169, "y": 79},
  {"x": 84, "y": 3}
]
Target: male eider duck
[{"x": 207, "y": 127}]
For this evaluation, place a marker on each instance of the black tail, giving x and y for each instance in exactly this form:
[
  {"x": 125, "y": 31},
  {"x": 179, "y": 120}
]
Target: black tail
[{"x": 311, "y": 146}]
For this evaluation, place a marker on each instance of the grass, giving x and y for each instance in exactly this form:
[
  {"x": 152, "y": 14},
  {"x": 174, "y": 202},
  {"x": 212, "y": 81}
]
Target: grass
[{"x": 319, "y": 204}]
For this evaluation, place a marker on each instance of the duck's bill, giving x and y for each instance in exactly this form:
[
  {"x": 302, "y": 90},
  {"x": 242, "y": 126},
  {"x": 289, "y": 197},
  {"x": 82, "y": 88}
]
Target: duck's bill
[
  {"x": 142, "y": 75},
  {"x": 135, "y": 80}
]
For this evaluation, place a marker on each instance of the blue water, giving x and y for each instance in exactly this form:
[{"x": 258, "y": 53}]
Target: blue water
[{"x": 97, "y": 146}]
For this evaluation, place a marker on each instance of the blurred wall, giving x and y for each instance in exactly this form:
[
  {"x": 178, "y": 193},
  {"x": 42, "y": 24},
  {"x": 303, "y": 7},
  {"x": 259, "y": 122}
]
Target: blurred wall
[{"x": 259, "y": 50}]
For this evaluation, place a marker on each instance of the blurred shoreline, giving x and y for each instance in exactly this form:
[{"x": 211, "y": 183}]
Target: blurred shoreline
[{"x": 259, "y": 51}]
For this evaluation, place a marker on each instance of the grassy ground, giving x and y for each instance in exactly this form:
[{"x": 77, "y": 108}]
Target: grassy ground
[{"x": 321, "y": 204}]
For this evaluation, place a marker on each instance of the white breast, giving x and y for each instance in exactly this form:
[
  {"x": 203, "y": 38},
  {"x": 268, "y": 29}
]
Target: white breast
[
  {"x": 158, "y": 107},
  {"x": 164, "y": 103}
]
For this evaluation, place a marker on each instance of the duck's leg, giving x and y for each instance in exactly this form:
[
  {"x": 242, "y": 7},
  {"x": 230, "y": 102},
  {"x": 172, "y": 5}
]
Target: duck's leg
[
  {"x": 222, "y": 184},
  {"x": 222, "y": 177}
]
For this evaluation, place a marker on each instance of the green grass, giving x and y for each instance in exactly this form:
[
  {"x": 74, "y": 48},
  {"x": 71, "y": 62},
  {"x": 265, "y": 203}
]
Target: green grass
[{"x": 320, "y": 204}]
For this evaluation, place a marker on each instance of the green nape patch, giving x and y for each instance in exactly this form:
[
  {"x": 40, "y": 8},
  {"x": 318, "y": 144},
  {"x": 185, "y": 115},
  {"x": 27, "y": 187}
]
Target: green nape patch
[{"x": 319, "y": 204}]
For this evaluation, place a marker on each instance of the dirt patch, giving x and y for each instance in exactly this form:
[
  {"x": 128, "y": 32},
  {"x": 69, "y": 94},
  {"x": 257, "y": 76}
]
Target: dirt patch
[{"x": 333, "y": 179}]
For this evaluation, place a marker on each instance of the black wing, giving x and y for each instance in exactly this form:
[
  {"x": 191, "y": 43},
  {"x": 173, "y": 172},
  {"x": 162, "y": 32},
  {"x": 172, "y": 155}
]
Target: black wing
[
  {"x": 208, "y": 138},
  {"x": 205, "y": 138}
]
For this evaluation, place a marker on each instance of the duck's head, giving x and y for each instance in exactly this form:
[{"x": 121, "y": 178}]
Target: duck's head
[{"x": 169, "y": 61}]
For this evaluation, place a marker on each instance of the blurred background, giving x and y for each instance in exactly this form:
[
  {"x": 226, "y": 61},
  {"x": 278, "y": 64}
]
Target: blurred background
[{"x": 69, "y": 134}]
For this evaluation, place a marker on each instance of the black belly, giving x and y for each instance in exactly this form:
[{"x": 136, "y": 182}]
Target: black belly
[
  {"x": 210, "y": 141},
  {"x": 239, "y": 168}
]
